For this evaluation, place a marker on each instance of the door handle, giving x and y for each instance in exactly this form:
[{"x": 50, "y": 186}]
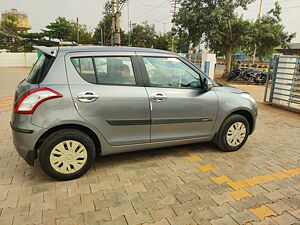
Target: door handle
[
  {"x": 87, "y": 96},
  {"x": 158, "y": 97}
]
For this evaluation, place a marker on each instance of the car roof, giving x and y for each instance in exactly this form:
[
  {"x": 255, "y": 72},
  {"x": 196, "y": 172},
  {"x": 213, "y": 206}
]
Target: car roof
[{"x": 93, "y": 48}]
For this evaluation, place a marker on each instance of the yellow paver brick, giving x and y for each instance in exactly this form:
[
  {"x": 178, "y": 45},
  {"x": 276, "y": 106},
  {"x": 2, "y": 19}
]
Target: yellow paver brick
[
  {"x": 238, "y": 184},
  {"x": 292, "y": 172},
  {"x": 280, "y": 175},
  {"x": 193, "y": 158},
  {"x": 267, "y": 178},
  {"x": 206, "y": 168},
  {"x": 182, "y": 151},
  {"x": 262, "y": 212},
  {"x": 239, "y": 194},
  {"x": 221, "y": 180},
  {"x": 253, "y": 181}
]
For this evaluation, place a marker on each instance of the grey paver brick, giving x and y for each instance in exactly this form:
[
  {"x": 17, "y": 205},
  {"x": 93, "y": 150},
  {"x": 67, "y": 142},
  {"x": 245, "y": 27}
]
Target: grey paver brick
[
  {"x": 118, "y": 221},
  {"x": 90, "y": 217},
  {"x": 76, "y": 219},
  {"x": 184, "y": 219},
  {"x": 166, "y": 201},
  {"x": 204, "y": 202},
  {"x": 294, "y": 202},
  {"x": 289, "y": 191},
  {"x": 279, "y": 206},
  {"x": 150, "y": 195},
  {"x": 183, "y": 208},
  {"x": 223, "y": 209},
  {"x": 102, "y": 204},
  {"x": 222, "y": 198},
  {"x": 161, "y": 222},
  {"x": 243, "y": 217},
  {"x": 285, "y": 219},
  {"x": 18, "y": 211},
  {"x": 185, "y": 197},
  {"x": 144, "y": 206},
  {"x": 295, "y": 213},
  {"x": 158, "y": 214},
  {"x": 274, "y": 195},
  {"x": 226, "y": 220},
  {"x": 203, "y": 215},
  {"x": 125, "y": 209},
  {"x": 139, "y": 218}
]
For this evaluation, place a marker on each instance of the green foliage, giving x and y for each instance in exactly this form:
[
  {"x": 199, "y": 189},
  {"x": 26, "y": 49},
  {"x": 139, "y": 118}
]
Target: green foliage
[
  {"x": 8, "y": 42},
  {"x": 267, "y": 34},
  {"x": 105, "y": 25},
  {"x": 60, "y": 29},
  {"x": 143, "y": 35},
  {"x": 215, "y": 23},
  {"x": 163, "y": 42}
]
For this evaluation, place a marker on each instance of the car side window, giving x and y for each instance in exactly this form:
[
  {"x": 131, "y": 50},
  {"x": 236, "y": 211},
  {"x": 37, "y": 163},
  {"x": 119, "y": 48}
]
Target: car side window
[
  {"x": 114, "y": 70},
  {"x": 85, "y": 68},
  {"x": 105, "y": 70},
  {"x": 171, "y": 72}
]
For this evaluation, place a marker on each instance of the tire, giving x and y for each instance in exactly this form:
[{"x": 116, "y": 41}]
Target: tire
[
  {"x": 224, "y": 138},
  {"x": 67, "y": 154}
]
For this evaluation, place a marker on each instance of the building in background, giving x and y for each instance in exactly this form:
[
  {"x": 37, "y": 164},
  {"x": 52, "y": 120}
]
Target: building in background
[
  {"x": 293, "y": 50},
  {"x": 22, "y": 23}
]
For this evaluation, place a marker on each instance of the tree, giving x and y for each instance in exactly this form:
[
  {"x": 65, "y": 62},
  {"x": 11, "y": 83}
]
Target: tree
[
  {"x": 163, "y": 42},
  {"x": 105, "y": 26},
  {"x": 65, "y": 30},
  {"x": 215, "y": 23},
  {"x": 143, "y": 35},
  {"x": 268, "y": 34},
  {"x": 10, "y": 41},
  {"x": 60, "y": 29},
  {"x": 85, "y": 36}
]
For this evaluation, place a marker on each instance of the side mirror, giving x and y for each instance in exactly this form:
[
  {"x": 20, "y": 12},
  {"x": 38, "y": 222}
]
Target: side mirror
[{"x": 207, "y": 85}]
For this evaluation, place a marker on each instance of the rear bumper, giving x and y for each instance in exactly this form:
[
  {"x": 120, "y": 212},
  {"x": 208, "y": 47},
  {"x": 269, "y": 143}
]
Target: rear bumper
[
  {"x": 22, "y": 139},
  {"x": 25, "y": 136}
]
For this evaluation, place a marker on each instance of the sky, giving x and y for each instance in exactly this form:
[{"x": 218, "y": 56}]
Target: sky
[{"x": 157, "y": 12}]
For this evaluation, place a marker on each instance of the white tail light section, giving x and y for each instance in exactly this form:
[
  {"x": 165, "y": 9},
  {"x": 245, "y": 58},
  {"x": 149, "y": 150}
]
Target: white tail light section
[{"x": 32, "y": 99}]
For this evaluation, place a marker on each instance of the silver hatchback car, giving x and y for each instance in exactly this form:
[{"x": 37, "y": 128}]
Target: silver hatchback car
[{"x": 79, "y": 102}]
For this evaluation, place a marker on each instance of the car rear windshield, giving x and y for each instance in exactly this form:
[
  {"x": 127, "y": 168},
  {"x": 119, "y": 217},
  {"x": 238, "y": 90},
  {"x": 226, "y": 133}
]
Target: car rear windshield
[{"x": 40, "y": 69}]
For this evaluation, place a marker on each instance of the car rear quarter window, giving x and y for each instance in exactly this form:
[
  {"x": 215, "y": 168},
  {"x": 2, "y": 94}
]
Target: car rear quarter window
[
  {"x": 113, "y": 70},
  {"x": 85, "y": 68},
  {"x": 40, "y": 69}
]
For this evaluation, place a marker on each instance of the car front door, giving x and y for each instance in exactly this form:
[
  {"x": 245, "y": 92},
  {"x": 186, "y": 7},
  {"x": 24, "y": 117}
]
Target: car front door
[
  {"x": 180, "y": 109},
  {"x": 107, "y": 91}
]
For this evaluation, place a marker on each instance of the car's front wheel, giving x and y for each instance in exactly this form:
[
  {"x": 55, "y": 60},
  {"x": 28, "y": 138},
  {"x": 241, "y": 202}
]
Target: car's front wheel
[
  {"x": 67, "y": 154},
  {"x": 233, "y": 133}
]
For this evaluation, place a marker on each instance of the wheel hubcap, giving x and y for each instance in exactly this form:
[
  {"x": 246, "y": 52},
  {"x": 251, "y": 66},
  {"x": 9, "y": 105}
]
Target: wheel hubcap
[
  {"x": 236, "y": 134},
  {"x": 68, "y": 157}
]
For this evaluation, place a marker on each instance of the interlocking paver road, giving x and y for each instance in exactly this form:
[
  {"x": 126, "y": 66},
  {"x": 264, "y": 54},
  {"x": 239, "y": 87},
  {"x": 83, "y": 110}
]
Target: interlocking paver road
[{"x": 193, "y": 184}]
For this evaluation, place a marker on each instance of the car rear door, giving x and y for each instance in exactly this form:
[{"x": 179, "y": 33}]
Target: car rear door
[
  {"x": 108, "y": 92},
  {"x": 180, "y": 109}
]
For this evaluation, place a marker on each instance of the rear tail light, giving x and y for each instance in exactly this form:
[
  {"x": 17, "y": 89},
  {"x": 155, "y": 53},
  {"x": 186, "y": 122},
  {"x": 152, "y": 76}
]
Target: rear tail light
[{"x": 32, "y": 99}]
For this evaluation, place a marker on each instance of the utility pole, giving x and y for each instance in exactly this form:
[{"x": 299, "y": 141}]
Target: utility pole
[
  {"x": 258, "y": 20},
  {"x": 173, "y": 27},
  {"x": 101, "y": 36},
  {"x": 113, "y": 23},
  {"x": 259, "y": 13},
  {"x": 77, "y": 30},
  {"x": 129, "y": 43},
  {"x": 129, "y": 23},
  {"x": 164, "y": 27},
  {"x": 118, "y": 33}
]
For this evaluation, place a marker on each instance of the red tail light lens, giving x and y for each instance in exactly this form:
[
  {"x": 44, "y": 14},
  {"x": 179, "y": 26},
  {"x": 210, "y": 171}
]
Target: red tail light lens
[{"x": 32, "y": 99}]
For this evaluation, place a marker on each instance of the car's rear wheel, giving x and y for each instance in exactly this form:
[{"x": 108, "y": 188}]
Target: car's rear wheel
[
  {"x": 233, "y": 133},
  {"x": 67, "y": 154}
]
